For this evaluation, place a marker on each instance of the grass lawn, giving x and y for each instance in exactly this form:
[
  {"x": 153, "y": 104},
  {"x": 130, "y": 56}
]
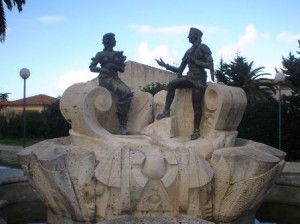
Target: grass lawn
[
  {"x": 9, "y": 159},
  {"x": 18, "y": 141}
]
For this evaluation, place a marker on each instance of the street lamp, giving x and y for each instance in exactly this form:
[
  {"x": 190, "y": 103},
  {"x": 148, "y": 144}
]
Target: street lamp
[
  {"x": 279, "y": 78},
  {"x": 24, "y": 73}
]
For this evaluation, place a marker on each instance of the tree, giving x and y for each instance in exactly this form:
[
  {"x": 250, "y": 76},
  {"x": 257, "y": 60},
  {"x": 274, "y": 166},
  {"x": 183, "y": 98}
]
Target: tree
[
  {"x": 291, "y": 103},
  {"x": 240, "y": 73},
  {"x": 290, "y": 126},
  {"x": 9, "y": 4},
  {"x": 260, "y": 122},
  {"x": 291, "y": 68},
  {"x": 57, "y": 125},
  {"x": 4, "y": 96},
  {"x": 154, "y": 87}
]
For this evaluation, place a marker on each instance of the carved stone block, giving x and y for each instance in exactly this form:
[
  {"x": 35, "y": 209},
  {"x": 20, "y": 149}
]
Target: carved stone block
[{"x": 95, "y": 175}]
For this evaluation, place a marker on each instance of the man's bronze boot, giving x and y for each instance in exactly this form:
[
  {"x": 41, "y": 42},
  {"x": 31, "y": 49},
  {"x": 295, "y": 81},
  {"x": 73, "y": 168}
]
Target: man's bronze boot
[{"x": 196, "y": 134}]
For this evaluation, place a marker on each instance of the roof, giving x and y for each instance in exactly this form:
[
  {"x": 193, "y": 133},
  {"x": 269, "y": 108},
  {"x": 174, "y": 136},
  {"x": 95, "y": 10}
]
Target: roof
[
  {"x": 4, "y": 102},
  {"x": 40, "y": 99}
]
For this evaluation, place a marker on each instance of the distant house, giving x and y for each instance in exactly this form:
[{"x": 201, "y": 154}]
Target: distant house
[
  {"x": 33, "y": 103},
  {"x": 285, "y": 90}
]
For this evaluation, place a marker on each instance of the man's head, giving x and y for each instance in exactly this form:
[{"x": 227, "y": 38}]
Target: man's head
[
  {"x": 195, "y": 35},
  {"x": 109, "y": 40}
]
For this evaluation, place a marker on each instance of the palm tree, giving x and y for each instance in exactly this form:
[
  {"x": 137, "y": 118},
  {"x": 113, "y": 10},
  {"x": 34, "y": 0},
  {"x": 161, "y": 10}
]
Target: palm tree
[
  {"x": 9, "y": 4},
  {"x": 240, "y": 73},
  {"x": 4, "y": 96},
  {"x": 291, "y": 68}
]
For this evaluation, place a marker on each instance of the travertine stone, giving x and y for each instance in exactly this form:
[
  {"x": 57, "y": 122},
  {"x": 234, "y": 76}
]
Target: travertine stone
[
  {"x": 262, "y": 147},
  {"x": 159, "y": 176},
  {"x": 222, "y": 139},
  {"x": 141, "y": 112},
  {"x": 159, "y": 102},
  {"x": 127, "y": 219},
  {"x": 182, "y": 109},
  {"x": 165, "y": 128},
  {"x": 138, "y": 75},
  {"x": 242, "y": 175},
  {"x": 151, "y": 220},
  {"x": 91, "y": 110},
  {"x": 78, "y": 107},
  {"x": 223, "y": 108},
  {"x": 124, "y": 180},
  {"x": 63, "y": 177}
]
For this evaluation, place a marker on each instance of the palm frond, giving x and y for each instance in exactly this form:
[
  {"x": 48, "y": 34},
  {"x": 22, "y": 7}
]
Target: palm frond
[
  {"x": 8, "y": 4},
  {"x": 2, "y": 22},
  {"x": 19, "y": 4}
]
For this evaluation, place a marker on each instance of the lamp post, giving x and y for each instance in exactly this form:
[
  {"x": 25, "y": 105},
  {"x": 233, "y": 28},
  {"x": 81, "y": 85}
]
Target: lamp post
[
  {"x": 279, "y": 78},
  {"x": 24, "y": 73}
]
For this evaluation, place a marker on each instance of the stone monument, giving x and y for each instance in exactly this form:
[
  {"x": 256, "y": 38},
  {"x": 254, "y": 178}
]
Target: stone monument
[{"x": 155, "y": 173}]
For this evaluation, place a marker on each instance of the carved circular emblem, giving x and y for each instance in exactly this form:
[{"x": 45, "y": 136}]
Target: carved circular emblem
[
  {"x": 211, "y": 99},
  {"x": 103, "y": 101}
]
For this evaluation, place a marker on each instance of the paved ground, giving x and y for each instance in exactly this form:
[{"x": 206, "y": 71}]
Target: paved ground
[
  {"x": 292, "y": 167},
  {"x": 10, "y": 148},
  {"x": 7, "y": 172}
]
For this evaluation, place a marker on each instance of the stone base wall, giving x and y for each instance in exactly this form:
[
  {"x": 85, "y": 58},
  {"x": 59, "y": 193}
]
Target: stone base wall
[{"x": 138, "y": 75}]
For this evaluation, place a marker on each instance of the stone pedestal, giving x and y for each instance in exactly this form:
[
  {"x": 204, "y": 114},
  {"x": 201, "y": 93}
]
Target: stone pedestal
[{"x": 155, "y": 173}]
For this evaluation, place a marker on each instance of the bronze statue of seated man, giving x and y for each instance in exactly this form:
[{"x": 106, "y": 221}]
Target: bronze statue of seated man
[{"x": 197, "y": 58}]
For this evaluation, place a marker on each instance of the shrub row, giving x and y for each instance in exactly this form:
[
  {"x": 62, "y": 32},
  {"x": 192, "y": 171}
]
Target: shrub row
[{"x": 48, "y": 124}]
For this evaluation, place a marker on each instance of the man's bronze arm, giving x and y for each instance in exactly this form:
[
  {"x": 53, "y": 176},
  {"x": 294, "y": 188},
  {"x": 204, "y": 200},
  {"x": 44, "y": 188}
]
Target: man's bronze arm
[{"x": 167, "y": 66}]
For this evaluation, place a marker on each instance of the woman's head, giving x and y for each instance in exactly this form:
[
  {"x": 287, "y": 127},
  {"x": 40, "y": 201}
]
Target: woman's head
[{"x": 109, "y": 40}]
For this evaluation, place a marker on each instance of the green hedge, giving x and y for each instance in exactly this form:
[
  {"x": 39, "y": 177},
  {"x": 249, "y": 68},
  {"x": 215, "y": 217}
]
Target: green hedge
[
  {"x": 260, "y": 123},
  {"x": 48, "y": 124}
]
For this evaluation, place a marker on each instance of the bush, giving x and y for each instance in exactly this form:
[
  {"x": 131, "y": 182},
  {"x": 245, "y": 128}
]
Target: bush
[
  {"x": 48, "y": 124},
  {"x": 36, "y": 126},
  {"x": 291, "y": 126},
  {"x": 57, "y": 125},
  {"x": 260, "y": 122},
  {"x": 11, "y": 126},
  {"x": 154, "y": 87}
]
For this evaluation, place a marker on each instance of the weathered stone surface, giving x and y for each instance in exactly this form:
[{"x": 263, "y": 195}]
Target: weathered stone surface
[
  {"x": 78, "y": 107},
  {"x": 159, "y": 102},
  {"x": 182, "y": 109},
  {"x": 138, "y": 75},
  {"x": 127, "y": 219},
  {"x": 93, "y": 111},
  {"x": 165, "y": 128},
  {"x": 126, "y": 180},
  {"x": 156, "y": 220},
  {"x": 63, "y": 177},
  {"x": 243, "y": 175},
  {"x": 141, "y": 112},
  {"x": 96, "y": 175},
  {"x": 223, "y": 109}
]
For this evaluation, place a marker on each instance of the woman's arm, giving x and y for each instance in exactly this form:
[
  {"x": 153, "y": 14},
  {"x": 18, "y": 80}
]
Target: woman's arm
[{"x": 93, "y": 66}]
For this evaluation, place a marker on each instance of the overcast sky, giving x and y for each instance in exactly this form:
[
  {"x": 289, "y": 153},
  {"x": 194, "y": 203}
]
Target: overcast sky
[{"x": 56, "y": 39}]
